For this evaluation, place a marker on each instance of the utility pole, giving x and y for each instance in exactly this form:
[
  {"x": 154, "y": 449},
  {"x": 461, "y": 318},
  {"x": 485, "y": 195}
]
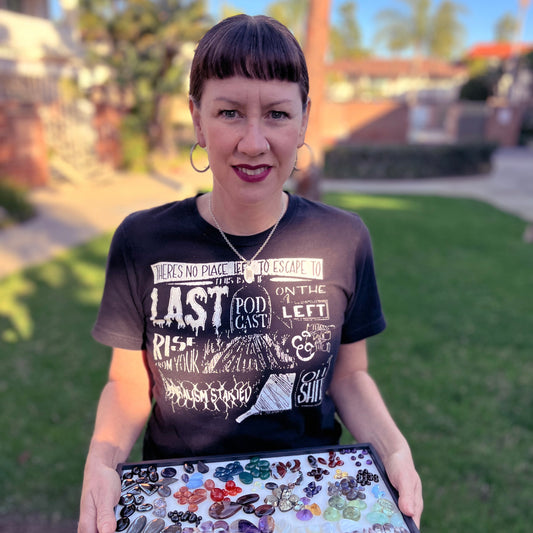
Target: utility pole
[{"x": 315, "y": 49}]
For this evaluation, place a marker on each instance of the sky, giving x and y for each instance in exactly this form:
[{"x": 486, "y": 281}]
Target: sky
[{"x": 479, "y": 20}]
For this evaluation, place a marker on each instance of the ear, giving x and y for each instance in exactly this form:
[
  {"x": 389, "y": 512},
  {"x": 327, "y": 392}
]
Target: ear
[
  {"x": 197, "y": 123},
  {"x": 305, "y": 122}
]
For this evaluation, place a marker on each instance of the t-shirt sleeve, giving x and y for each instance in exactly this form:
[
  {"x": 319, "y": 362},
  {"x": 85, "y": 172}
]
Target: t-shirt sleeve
[
  {"x": 364, "y": 316},
  {"x": 120, "y": 321}
]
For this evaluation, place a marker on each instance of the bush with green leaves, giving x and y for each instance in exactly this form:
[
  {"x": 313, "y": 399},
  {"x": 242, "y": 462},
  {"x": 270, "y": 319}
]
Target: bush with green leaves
[{"x": 14, "y": 203}]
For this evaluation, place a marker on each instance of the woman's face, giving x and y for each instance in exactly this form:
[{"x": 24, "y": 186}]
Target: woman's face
[{"x": 251, "y": 130}]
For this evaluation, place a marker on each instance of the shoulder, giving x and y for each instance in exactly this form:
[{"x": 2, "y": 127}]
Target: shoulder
[
  {"x": 159, "y": 213},
  {"x": 161, "y": 218}
]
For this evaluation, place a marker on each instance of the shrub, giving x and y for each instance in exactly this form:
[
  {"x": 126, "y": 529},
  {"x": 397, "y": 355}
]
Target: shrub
[
  {"x": 14, "y": 203},
  {"x": 134, "y": 145},
  {"x": 476, "y": 89},
  {"x": 407, "y": 161}
]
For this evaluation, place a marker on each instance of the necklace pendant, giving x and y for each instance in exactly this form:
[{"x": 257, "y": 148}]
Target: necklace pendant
[{"x": 249, "y": 276}]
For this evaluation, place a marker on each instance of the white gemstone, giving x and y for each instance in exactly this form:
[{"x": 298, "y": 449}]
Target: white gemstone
[{"x": 249, "y": 274}]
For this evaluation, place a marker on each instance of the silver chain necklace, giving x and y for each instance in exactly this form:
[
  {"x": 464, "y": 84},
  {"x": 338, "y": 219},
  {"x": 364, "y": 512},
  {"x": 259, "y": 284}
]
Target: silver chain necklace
[{"x": 249, "y": 275}]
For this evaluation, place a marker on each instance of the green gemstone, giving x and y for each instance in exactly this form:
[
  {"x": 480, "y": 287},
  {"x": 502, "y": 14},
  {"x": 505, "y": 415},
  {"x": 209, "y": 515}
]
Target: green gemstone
[
  {"x": 332, "y": 515},
  {"x": 351, "y": 513},
  {"x": 337, "y": 502},
  {"x": 246, "y": 478}
]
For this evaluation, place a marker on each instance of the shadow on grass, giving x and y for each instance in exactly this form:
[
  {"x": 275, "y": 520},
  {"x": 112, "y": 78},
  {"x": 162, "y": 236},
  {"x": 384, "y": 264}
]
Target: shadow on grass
[{"x": 51, "y": 372}]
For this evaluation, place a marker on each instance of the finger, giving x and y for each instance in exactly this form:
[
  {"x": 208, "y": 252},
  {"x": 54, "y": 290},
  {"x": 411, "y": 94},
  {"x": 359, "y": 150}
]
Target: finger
[
  {"x": 106, "y": 522},
  {"x": 410, "y": 501}
]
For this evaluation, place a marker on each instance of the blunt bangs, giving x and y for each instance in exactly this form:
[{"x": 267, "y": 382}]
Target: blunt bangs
[{"x": 253, "y": 47}]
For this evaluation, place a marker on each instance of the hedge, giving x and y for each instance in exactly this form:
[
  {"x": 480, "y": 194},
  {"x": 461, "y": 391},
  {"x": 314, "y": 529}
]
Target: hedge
[{"x": 407, "y": 161}]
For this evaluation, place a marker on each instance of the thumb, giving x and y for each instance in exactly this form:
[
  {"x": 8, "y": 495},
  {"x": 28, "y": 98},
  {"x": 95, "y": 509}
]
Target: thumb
[{"x": 106, "y": 521}]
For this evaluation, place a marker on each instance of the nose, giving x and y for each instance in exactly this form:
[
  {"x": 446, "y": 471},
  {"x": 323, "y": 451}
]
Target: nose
[{"x": 253, "y": 141}]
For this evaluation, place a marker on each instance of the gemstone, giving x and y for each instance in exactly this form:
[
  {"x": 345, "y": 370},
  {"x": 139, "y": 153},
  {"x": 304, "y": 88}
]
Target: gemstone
[
  {"x": 195, "y": 481},
  {"x": 126, "y": 499},
  {"x": 285, "y": 505},
  {"x": 386, "y": 506},
  {"x": 351, "y": 513},
  {"x": 279, "y": 470},
  {"x": 188, "y": 467},
  {"x": 337, "y": 502},
  {"x": 168, "y": 472},
  {"x": 248, "y": 509},
  {"x": 164, "y": 491},
  {"x": 249, "y": 274},
  {"x": 122, "y": 523},
  {"x": 172, "y": 529},
  {"x": 271, "y": 485},
  {"x": 246, "y": 478},
  {"x": 143, "y": 508},
  {"x": 376, "y": 517},
  {"x": 315, "y": 509},
  {"x": 138, "y": 525},
  {"x": 127, "y": 483},
  {"x": 247, "y": 499},
  {"x": 243, "y": 526},
  {"x": 264, "y": 510},
  {"x": 220, "y": 526},
  {"x": 359, "y": 504},
  {"x": 148, "y": 488},
  {"x": 202, "y": 467},
  {"x": 266, "y": 524},
  {"x": 128, "y": 510},
  {"x": 305, "y": 515},
  {"x": 217, "y": 495},
  {"x": 224, "y": 509},
  {"x": 332, "y": 515}
]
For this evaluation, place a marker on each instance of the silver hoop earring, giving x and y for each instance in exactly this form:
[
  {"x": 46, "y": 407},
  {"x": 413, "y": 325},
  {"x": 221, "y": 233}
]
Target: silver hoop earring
[
  {"x": 192, "y": 163},
  {"x": 311, "y": 156}
]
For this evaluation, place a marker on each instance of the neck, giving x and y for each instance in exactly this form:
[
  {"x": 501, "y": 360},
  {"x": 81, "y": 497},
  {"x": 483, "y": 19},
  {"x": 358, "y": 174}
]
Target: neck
[{"x": 246, "y": 221}]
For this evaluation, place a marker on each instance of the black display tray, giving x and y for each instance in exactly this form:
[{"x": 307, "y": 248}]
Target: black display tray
[{"x": 366, "y": 501}]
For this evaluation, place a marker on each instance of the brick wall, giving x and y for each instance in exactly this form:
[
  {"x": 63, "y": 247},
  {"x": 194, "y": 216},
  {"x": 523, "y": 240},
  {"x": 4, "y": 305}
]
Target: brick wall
[
  {"x": 380, "y": 122},
  {"x": 23, "y": 154}
]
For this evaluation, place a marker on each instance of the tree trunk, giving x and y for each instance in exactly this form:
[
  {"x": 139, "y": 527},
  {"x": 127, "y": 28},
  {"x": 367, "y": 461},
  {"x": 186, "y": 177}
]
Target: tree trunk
[{"x": 317, "y": 36}]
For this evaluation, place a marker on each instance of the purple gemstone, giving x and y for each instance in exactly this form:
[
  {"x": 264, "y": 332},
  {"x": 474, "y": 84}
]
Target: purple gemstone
[
  {"x": 243, "y": 526},
  {"x": 266, "y": 524},
  {"x": 304, "y": 515}
]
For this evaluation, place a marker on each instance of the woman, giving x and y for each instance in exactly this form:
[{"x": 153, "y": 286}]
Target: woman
[{"x": 238, "y": 318}]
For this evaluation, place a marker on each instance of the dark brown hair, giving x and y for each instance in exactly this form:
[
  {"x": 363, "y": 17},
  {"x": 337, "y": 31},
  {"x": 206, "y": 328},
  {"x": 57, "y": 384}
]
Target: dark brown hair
[{"x": 256, "y": 47}]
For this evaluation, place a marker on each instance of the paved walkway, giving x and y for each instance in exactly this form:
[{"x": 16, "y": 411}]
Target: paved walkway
[{"x": 70, "y": 215}]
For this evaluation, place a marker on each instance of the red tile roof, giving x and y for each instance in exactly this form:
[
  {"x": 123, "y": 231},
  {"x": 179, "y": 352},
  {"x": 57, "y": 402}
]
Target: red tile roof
[{"x": 501, "y": 50}]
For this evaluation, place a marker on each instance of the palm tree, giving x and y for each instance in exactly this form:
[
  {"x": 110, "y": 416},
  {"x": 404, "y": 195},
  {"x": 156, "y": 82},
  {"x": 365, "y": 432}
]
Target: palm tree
[
  {"x": 419, "y": 29},
  {"x": 292, "y": 13},
  {"x": 316, "y": 46},
  {"x": 506, "y": 28}
]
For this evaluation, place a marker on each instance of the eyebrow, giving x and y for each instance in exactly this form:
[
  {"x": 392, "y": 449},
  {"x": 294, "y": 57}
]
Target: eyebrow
[{"x": 236, "y": 102}]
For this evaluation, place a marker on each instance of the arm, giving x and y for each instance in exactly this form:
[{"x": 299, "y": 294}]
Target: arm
[
  {"x": 123, "y": 409},
  {"x": 364, "y": 413}
]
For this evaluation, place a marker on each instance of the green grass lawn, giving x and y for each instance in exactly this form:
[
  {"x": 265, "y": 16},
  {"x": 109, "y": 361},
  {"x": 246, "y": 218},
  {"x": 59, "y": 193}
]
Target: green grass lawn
[{"x": 454, "y": 364}]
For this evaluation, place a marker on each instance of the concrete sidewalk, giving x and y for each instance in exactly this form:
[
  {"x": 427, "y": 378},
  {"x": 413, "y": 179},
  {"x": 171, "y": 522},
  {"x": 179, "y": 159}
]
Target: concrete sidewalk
[
  {"x": 509, "y": 186},
  {"x": 69, "y": 215}
]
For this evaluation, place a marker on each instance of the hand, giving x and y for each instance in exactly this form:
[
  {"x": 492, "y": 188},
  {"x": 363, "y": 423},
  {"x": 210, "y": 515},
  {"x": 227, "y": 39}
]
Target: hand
[
  {"x": 404, "y": 477},
  {"x": 100, "y": 494}
]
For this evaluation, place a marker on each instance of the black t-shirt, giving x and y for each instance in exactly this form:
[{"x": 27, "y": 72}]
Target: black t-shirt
[{"x": 237, "y": 366}]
